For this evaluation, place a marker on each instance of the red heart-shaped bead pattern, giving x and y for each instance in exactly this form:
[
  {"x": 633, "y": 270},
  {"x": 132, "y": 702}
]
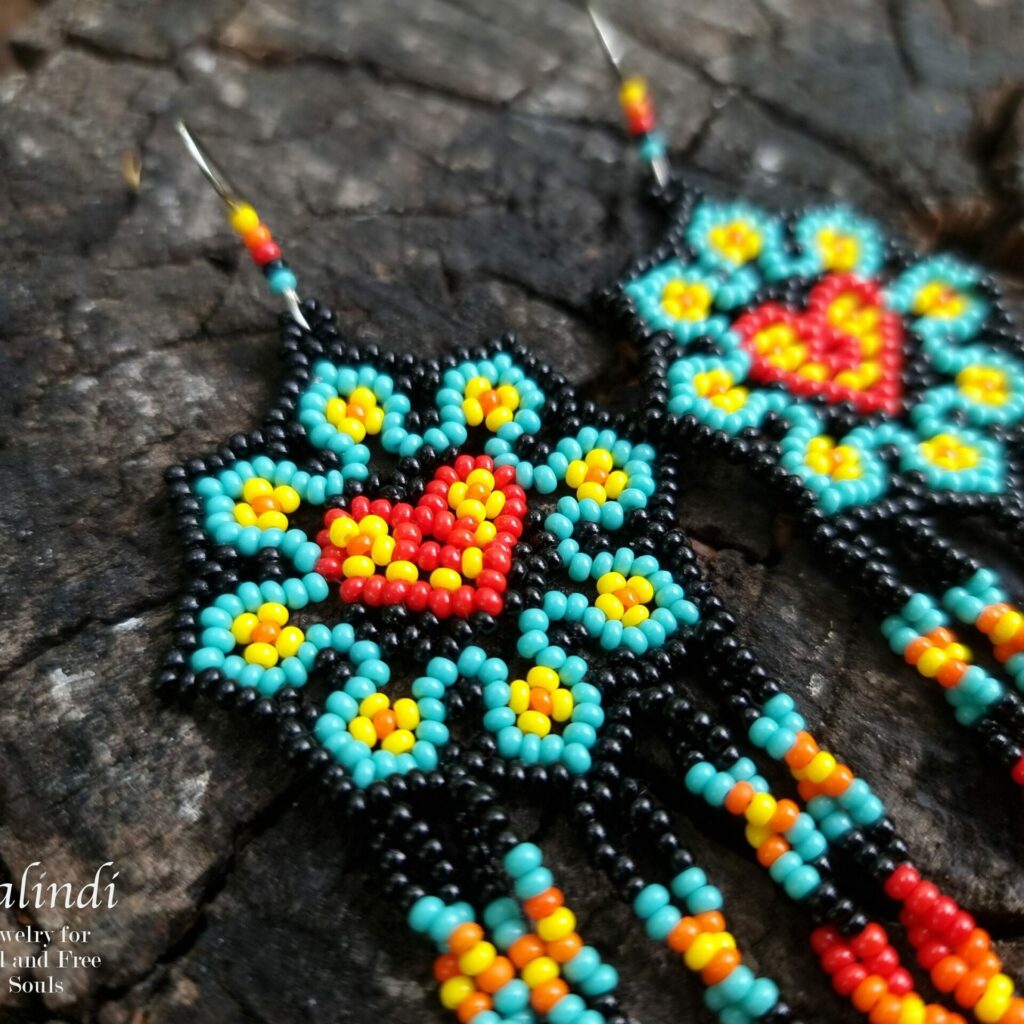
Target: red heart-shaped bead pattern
[
  {"x": 847, "y": 346},
  {"x": 450, "y": 553}
]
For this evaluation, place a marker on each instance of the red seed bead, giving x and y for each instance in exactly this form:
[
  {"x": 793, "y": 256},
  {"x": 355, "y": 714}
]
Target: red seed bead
[
  {"x": 265, "y": 253},
  {"x": 900, "y": 982},
  {"x": 883, "y": 963},
  {"x": 902, "y": 882},
  {"x": 846, "y": 980},
  {"x": 445, "y": 967},
  {"x": 922, "y": 899},
  {"x": 931, "y": 953},
  {"x": 962, "y": 926},
  {"x": 942, "y": 914},
  {"x": 824, "y": 938},
  {"x": 1017, "y": 774},
  {"x": 871, "y": 941},
  {"x": 836, "y": 958}
]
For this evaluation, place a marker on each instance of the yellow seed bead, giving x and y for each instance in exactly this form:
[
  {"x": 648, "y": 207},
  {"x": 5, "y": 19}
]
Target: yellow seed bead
[
  {"x": 477, "y": 386},
  {"x": 498, "y": 417},
  {"x": 244, "y": 514},
  {"x": 822, "y": 765},
  {"x": 600, "y": 458},
  {"x": 401, "y": 741},
  {"x": 402, "y": 570},
  {"x": 472, "y": 508},
  {"x": 576, "y": 473},
  {"x": 633, "y": 91},
  {"x": 476, "y": 960},
  {"x": 455, "y": 991},
  {"x": 382, "y": 549},
  {"x": 358, "y": 565},
  {"x": 244, "y": 218},
  {"x": 361, "y": 728},
  {"x": 539, "y": 970},
  {"x": 616, "y": 483},
  {"x": 472, "y": 563},
  {"x": 519, "y": 697},
  {"x": 473, "y": 411},
  {"x": 757, "y": 834},
  {"x": 336, "y": 410},
  {"x": 534, "y": 722},
  {"x": 961, "y": 652},
  {"x": 261, "y": 654},
  {"x": 913, "y": 1011},
  {"x": 641, "y": 586},
  {"x": 509, "y": 396},
  {"x": 1007, "y": 627},
  {"x": 255, "y": 488},
  {"x": 373, "y": 526},
  {"x": 407, "y": 713},
  {"x": 355, "y": 429},
  {"x": 271, "y": 611},
  {"x": 485, "y": 532},
  {"x": 595, "y": 492},
  {"x": 761, "y": 809},
  {"x": 562, "y": 704},
  {"x": 272, "y": 520},
  {"x": 242, "y": 627},
  {"x": 931, "y": 661},
  {"x": 635, "y": 615},
  {"x": 445, "y": 579},
  {"x": 610, "y": 605},
  {"x": 544, "y": 677},
  {"x": 494, "y": 504},
  {"x": 610, "y": 582},
  {"x": 287, "y": 497},
  {"x": 482, "y": 477},
  {"x": 557, "y": 925},
  {"x": 701, "y": 951},
  {"x": 363, "y": 396},
  {"x": 456, "y": 493},
  {"x": 289, "y": 641},
  {"x": 369, "y": 706},
  {"x": 374, "y": 420},
  {"x": 343, "y": 530},
  {"x": 989, "y": 1009}
]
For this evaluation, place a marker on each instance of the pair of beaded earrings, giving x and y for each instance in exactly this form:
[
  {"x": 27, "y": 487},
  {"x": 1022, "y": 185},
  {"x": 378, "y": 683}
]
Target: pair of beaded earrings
[{"x": 452, "y": 582}]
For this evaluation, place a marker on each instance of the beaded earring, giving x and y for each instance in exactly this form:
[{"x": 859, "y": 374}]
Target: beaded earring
[
  {"x": 452, "y": 583},
  {"x": 879, "y": 392}
]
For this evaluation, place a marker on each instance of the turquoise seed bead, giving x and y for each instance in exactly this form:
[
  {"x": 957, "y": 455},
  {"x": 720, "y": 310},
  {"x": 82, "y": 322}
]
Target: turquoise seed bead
[
  {"x": 533, "y": 882},
  {"x": 512, "y": 997},
  {"x": 659, "y": 924},
  {"x": 603, "y": 980},
  {"x": 567, "y": 1010},
  {"x": 651, "y": 898},
  {"x": 688, "y": 881},
  {"x": 582, "y": 965},
  {"x": 706, "y": 898}
]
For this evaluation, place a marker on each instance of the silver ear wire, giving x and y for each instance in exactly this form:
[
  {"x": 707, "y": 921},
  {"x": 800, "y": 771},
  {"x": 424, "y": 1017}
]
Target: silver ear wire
[
  {"x": 633, "y": 96},
  {"x": 221, "y": 185}
]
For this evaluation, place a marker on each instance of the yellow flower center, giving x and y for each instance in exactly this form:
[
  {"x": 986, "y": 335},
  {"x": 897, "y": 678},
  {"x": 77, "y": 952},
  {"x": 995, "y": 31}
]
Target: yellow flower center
[
  {"x": 737, "y": 240},
  {"x": 986, "y": 384},
  {"x": 266, "y": 636},
  {"x": 839, "y": 462},
  {"x": 265, "y": 505},
  {"x": 780, "y": 346},
  {"x": 686, "y": 301},
  {"x": 938, "y": 299},
  {"x": 484, "y": 403},
  {"x": 947, "y": 451},
  {"x": 595, "y": 477},
  {"x": 378, "y": 724},
  {"x": 718, "y": 388},
  {"x": 838, "y": 250},
  {"x": 624, "y": 600},
  {"x": 357, "y": 416},
  {"x": 539, "y": 700}
]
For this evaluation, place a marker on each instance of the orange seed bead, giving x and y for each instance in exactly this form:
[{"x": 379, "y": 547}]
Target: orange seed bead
[
  {"x": 838, "y": 782},
  {"x": 948, "y": 973},
  {"x": 499, "y": 974},
  {"x": 525, "y": 949},
  {"x": 867, "y": 994},
  {"x": 478, "y": 1002},
  {"x": 544, "y": 903},
  {"x": 711, "y": 921},
  {"x": 802, "y": 752},
  {"x": 771, "y": 850},
  {"x": 544, "y": 997},
  {"x": 446, "y": 966},
  {"x": 739, "y": 797},
  {"x": 887, "y": 1010},
  {"x": 683, "y": 935},
  {"x": 563, "y": 950},
  {"x": 970, "y": 989},
  {"x": 467, "y": 935},
  {"x": 784, "y": 818},
  {"x": 724, "y": 962},
  {"x": 914, "y": 650}
]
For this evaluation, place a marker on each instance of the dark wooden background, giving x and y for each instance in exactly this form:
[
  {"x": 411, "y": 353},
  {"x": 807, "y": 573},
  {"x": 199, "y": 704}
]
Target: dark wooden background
[{"x": 438, "y": 170}]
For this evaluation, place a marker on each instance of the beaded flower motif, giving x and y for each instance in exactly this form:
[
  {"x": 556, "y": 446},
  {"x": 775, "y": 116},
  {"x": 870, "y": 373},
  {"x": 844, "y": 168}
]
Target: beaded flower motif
[
  {"x": 859, "y": 365},
  {"x": 369, "y": 540}
]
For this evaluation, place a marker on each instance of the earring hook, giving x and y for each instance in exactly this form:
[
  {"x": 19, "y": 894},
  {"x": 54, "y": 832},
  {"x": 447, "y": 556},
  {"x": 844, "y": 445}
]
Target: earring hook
[
  {"x": 244, "y": 219},
  {"x": 634, "y": 98}
]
